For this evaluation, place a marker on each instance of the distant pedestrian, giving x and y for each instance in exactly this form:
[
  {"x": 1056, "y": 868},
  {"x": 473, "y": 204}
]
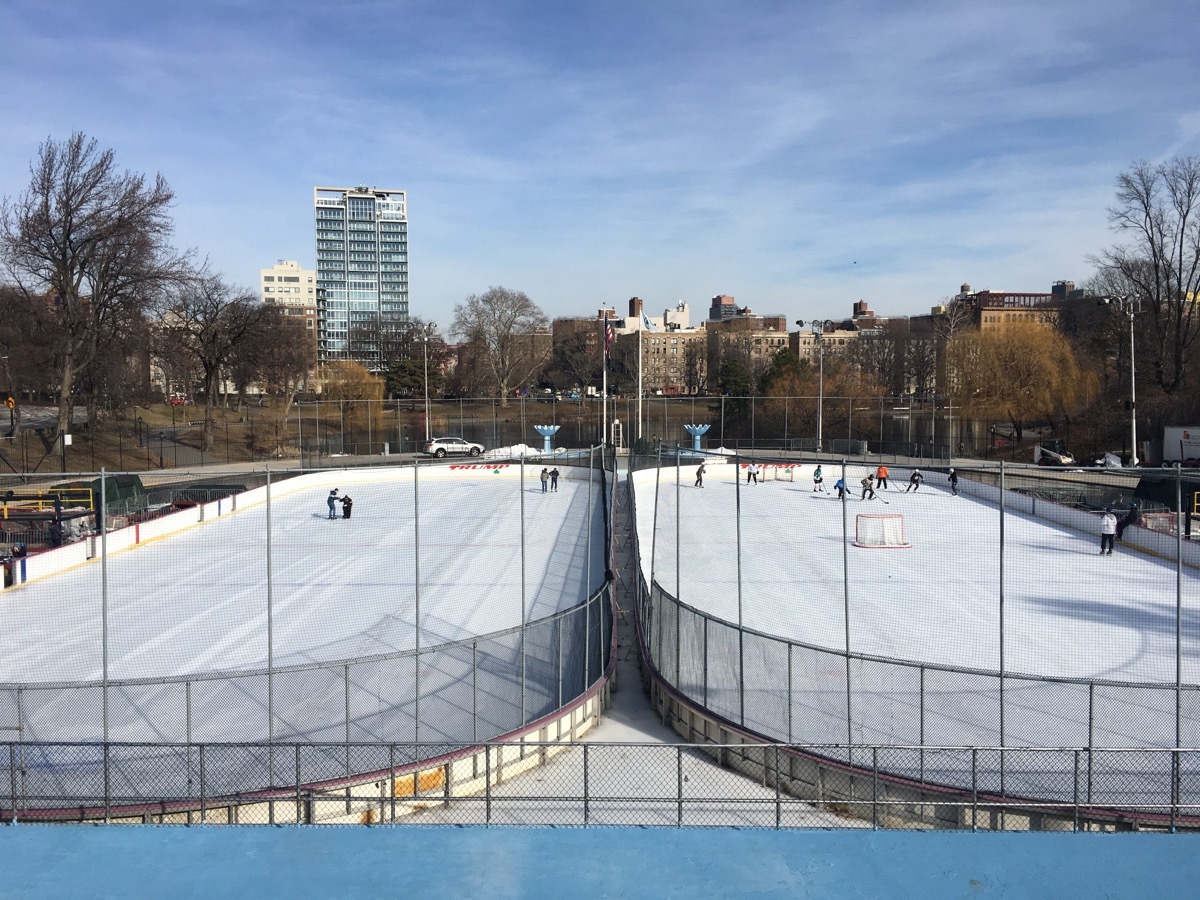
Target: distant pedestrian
[
  {"x": 554, "y": 479},
  {"x": 752, "y": 473},
  {"x": 1108, "y": 531},
  {"x": 331, "y": 501},
  {"x": 1133, "y": 517},
  {"x": 914, "y": 480},
  {"x": 954, "y": 482},
  {"x": 700, "y": 476},
  {"x": 881, "y": 477},
  {"x": 840, "y": 487},
  {"x": 818, "y": 480},
  {"x": 545, "y": 477},
  {"x": 868, "y": 488},
  {"x": 347, "y": 505}
]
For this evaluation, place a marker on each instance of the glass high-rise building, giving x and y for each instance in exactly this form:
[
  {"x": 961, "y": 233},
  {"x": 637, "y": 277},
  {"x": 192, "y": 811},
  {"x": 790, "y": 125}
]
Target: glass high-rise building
[{"x": 362, "y": 271}]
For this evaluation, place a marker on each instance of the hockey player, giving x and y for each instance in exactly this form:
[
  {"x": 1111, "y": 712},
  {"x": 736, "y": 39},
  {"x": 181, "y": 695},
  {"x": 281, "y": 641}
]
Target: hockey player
[
  {"x": 1108, "y": 531},
  {"x": 881, "y": 477},
  {"x": 914, "y": 480},
  {"x": 818, "y": 480},
  {"x": 954, "y": 482},
  {"x": 840, "y": 487},
  {"x": 1133, "y": 517},
  {"x": 868, "y": 487},
  {"x": 752, "y": 473}
]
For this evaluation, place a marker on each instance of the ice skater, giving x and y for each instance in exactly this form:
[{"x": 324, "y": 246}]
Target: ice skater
[
  {"x": 331, "y": 502},
  {"x": 914, "y": 480},
  {"x": 881, "y": 477},
  {"x": 347, "y": 505},
  {"x": 554, "y": 479},
  {"x": 818, "y": 480},
  {"x": 868, "y": 487},
  {"x": 840, "y": 487},
  {"x": 1133, "y": 517},
  {"x": 545, "y": 477},
  {"x": 954, "y": 482},
  {"x": 1108, "y": 531},
  {"x": 752, "y": 473},
  {"x": 699, "y": 476}
]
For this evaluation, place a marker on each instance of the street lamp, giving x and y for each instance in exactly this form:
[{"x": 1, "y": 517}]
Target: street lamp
[
  {"x": 1129, "y": 306},
  {"x": 818, "y": 330},
  {"x": 429, "y": 329}
]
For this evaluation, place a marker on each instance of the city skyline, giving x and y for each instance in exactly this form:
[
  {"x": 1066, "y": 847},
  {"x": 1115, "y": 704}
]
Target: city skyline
[{"x": 796, "y": 158}]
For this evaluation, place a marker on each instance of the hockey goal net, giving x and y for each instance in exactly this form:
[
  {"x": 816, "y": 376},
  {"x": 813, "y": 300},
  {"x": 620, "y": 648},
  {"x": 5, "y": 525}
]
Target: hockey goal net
[
  {"x": 782, "y": 473},
  {"x": 880, "y": 531},
  {"x": 1162, "y": 522}
]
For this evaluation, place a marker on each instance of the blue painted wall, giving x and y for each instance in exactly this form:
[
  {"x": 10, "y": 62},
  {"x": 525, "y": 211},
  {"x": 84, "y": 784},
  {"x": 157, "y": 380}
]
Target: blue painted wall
[{"x": 177, "y": 862}]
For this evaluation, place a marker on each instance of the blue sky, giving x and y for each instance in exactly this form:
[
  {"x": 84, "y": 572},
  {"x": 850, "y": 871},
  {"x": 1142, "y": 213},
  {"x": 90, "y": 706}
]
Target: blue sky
[{"x": 799, "y": 156}]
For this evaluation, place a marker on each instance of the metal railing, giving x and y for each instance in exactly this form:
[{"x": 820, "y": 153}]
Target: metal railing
[{"x": 530, "y": 783}]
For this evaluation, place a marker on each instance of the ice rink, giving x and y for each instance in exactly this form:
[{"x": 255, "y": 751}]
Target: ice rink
[
  {"x": 1067, "y": 611},
  {"x": 197, "y": 601}
]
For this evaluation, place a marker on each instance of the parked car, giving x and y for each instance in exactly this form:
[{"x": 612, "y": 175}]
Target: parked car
[{"x": 452, "y": 446}]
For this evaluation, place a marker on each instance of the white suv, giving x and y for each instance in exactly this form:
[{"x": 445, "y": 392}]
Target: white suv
[{"x": 448, "y": 446}]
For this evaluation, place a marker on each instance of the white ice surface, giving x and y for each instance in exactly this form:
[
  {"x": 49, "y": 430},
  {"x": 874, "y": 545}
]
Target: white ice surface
[
  {"x": 1067, "y": 610},
  {"x": 197, "y": 601}
]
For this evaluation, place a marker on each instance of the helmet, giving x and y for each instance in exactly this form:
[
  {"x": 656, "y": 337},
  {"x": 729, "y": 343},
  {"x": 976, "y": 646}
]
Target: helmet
[
  {"x": 1133, "y": 506},
  {"x": 1108, "y": 509}
]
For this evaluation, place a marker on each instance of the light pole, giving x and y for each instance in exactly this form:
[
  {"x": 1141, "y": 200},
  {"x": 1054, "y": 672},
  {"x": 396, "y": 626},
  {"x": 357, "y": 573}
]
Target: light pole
[
  {"x": 1129, "y": 306},
  {"x": 818, "y": 330},
  {"x": 430, "y": 327}
]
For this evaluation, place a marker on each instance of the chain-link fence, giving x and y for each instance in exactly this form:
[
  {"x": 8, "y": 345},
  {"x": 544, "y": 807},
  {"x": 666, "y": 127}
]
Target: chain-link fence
[
  {"x": 531, "y": 783},
  {"x": 764, "y": 605},
  {"x": 455, "y": 602}
]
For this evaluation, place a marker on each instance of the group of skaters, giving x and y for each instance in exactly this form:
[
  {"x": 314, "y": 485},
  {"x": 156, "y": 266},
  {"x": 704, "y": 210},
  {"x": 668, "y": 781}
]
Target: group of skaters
[
  {"x": 549, "y": 478},
  {"x": 333, "y": 500},
  {"x": 874, "y": 480},
  {"x": 878, "y": 480}
]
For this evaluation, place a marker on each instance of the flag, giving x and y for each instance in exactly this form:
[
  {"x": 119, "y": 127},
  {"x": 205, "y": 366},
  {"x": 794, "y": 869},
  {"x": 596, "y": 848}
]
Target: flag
[
  {"x": 647, "y": 325},
  {"x": 608, "y": 336}
]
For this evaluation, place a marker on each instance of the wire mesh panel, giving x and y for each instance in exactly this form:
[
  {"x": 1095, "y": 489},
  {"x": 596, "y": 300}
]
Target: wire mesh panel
[{"x": 292, "y": 608}]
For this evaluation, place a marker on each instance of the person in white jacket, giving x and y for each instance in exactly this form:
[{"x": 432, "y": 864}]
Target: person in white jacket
[{"x": 1108, "y": 531}]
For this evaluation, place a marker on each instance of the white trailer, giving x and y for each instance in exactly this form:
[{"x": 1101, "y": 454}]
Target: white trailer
[{"x": 1181, "y": 442}]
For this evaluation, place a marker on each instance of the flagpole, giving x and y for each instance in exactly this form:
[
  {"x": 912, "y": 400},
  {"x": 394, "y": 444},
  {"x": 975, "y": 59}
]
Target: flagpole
[{"x": 639, "y": 428}]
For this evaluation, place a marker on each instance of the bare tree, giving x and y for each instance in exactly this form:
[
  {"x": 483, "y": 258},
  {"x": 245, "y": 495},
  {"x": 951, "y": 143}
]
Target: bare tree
[
  {"x": 503, "y": 325},
  {"x": 209, "y": 320},
  {"x": 1158, "y": 211},
  {"x": 93, "y": 242}
]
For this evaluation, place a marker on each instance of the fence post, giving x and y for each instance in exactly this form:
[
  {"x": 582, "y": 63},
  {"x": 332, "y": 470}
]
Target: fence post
[
  {"x": 12, "y": 781},
  {"x": 392, "y": 778},
  {"x": 299, "y": 797},
  {"x": 679, "y": 785},
  {"x": 974, "y": 789},
  {"x": 203, "y": 789},
  {"x": 1075, "y": 792},
  {"x": 874, "y": 788},
  {"x": 586, "y": 787},
  {"x": 778, "y": 800},
  {"x": 487, "y": 781}
]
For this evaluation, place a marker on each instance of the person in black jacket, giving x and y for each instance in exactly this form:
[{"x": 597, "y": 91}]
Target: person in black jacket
[
  {"x": 954, "y": 482},
  {"x": 347, "y": 505},
  {"x": 1133, "y": 517}
]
